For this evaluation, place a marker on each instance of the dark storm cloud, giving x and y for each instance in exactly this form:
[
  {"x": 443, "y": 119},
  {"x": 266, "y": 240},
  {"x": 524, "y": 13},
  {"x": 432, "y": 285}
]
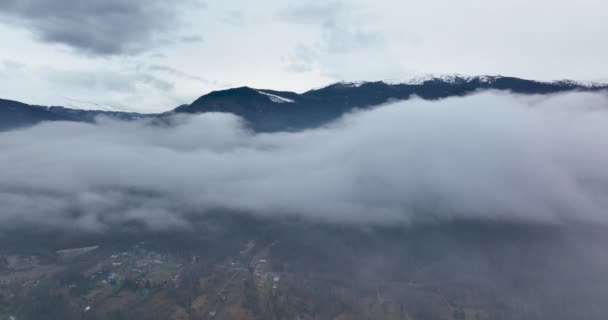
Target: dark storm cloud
[
  {"x": 103, "y": 27},
  {"x": 490, "y": 156}
]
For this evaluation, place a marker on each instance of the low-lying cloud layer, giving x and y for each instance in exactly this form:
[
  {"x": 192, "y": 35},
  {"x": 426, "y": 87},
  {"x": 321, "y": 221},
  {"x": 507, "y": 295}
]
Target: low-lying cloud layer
[{"x": 490, "y": 156}]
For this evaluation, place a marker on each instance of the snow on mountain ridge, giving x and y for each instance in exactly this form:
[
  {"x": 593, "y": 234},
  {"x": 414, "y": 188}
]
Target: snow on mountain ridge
[
  {"x": 276, "y": 99},
  {"x": 448, "y": 78},
  {"x": 76, "y": 104},
  {"x": 587, "y": 84},
  {"x": 457, "y": 78}
]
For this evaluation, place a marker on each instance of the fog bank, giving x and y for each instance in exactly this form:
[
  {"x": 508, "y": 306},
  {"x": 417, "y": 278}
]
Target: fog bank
[{"x": 490, "y": 156}]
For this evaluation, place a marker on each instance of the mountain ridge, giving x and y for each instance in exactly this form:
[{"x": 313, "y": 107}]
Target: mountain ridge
[{"x": 268, "y": 110}]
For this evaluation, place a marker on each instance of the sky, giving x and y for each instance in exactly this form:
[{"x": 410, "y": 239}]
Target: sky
[
  {"x": 153, "y": 55},
  {"x": 491, "y": 156}
]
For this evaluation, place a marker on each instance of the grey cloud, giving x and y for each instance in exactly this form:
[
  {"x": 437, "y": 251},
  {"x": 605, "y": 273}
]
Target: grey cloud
[
  {"x": 489, "y": 156},
  {"x": 9, "y": 68},
  {"x": 233, "y": 18},
  {"x": 191, "y": 39},
  {"x": 346, "y": 39},
  {"x": 339, "y": 39},
  {"x": 106, "y": 80},
  {"x": 342, "y": 26},
  {"x": 101, "y": 27},
  {"x": 178, "y": 73},
  {"x": 12, "y": 65},
  {"x": 154, "y": 82},
  {"x": 313, "y": 12},
  {"x": 91, "y": 79},
  {"x": 302, "y": 59},
  {"x": 158, "y": 55}
]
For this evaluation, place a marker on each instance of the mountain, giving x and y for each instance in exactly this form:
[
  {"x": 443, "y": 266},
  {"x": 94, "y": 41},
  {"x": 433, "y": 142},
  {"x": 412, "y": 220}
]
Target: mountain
[
  {"x": 14, "y": 114},
  {"x": 270, "y": 110},
  {"x": 90, "y": 115}
]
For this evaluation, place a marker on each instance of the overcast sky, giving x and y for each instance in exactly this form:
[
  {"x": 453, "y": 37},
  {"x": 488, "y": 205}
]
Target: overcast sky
[{"x": 152, "y": 55}]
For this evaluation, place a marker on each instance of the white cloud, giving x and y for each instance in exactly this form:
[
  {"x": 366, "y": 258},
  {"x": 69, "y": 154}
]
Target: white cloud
[{"x": 490, "y": 156}]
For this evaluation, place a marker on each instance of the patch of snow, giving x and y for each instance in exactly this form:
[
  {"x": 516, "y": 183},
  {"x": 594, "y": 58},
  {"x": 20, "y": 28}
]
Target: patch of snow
[
  {"x": 447, "y": 78},
  {"x": 587, "y": 84},
  {"x": 352, "y": 84},
  {"x": 343, "y": 84},
  {"x": 276, "y": 99},
  {"x": 78, "y": 104},
  {"x": 486, "y": 79}
]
